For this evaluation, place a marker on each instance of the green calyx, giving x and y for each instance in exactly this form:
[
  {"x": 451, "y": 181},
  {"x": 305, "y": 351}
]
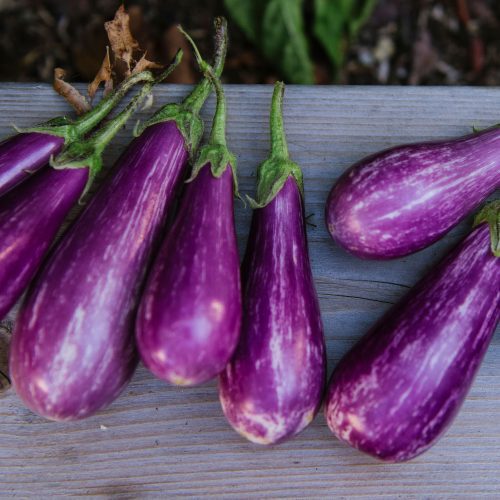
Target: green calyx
[
  {"x": 87, "y": 152},
  {"x": 219, "y": 158},
  {"x": 215, "y": 152},
  {"x": 490, "y": 214},
  {"x": 73, "y": 130},
  {"x": 187, "y": 114},
  {"x": 274, "y": 172},
  {"x": 188, "y": 122},
  {"x": 271, "y": 177}
]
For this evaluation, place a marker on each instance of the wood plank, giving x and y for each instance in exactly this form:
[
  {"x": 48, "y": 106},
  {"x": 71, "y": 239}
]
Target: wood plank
[{"x": 157, "y": 439}]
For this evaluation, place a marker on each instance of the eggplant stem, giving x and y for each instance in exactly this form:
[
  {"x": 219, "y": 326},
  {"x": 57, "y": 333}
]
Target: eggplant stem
[
  {"x": 218, "y": 132},
  {"x": 277, "y": 168},
  {"x": 92, "y": 118},
  {"x": 195, "y": 100},
  {"x": 279, "y": 147},
  {"x": 490, "y": 214},
  {"x": 186, "y": 115},
  {"x": 103, "y": 136},
  {"x": 87, "y": 152}
]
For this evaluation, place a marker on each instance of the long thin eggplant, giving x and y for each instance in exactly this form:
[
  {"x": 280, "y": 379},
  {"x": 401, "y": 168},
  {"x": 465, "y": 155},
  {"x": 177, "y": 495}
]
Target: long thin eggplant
[
  {"x": 24, "y": 153},
  {"x": 43, "y": 344},
  {"x": 188, "y": 323},
  {"x": 273, "y": 386},
  {"x": 30, "y": 217},
  {"x": 73, "y": 348},
  {"x": 403, "y": 199},
  {"x": 397, "y": 391},
  {"x": 32, "y": 213}
]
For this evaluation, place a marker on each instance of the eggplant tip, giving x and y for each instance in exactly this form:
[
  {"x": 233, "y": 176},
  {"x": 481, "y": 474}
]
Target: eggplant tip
[{"x": 180, "y": 380}]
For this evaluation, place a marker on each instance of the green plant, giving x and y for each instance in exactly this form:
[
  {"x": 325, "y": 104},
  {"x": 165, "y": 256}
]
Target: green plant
[
  {"x": 277, "y": 27},
  {"x": 336, "y": 22}
]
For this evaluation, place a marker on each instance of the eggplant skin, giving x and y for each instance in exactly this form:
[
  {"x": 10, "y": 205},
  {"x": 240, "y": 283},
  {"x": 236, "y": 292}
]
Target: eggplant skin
[
  {"x": 73, "y": 348},
  {"x": 189, "y": 320},
  {"x": 30, "y": 216},
  {"x": 23, "y": 154},
  {"x": 397, "y": 391},
  {"x": 405, "y": 198},
  {"x": 273, "y": 386}
]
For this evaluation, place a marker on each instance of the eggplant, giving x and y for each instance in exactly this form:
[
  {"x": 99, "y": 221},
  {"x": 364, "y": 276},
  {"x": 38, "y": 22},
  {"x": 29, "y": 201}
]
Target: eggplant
[
  {"x": 26, "y": 152},
  {"x": 73, "y": 349},
  {"x": 405, "y": 198},
  {"x": 400, "y": 387},
  {"x": 32, "y": 213},
  {"x": 30, "y": 217},
  {"x": 44, "y": 348},
  {"x": 189, "y": 319},
  {"x": 273, "y": 386}
]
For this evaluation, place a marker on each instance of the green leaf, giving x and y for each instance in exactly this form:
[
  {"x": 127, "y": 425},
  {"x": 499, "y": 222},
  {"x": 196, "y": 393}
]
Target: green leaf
[
  {"x": 357, "y": 21},
  {"x": 248, "y": 15},
  {"x": 329, "y": 25},
  {"x": 337, "y": 22},
  {"x": 284, "y": 41},
  {"x": 277, "y": 28}
]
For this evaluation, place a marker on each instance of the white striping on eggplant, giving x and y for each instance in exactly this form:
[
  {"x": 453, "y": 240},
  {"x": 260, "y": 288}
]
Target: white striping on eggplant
[
  {"x": 399, "y": 388},
  {"x": 75, "y": 329},
  {"x": 401, "y": 200},
  {"x": 273, "y": 386}
]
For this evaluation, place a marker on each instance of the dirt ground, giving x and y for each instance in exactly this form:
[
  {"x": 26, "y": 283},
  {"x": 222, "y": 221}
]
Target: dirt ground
[{"x": 405, "y": 42}]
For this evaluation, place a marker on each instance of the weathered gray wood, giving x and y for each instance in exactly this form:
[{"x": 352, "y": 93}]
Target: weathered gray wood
[{"x": 156, "y": 439}]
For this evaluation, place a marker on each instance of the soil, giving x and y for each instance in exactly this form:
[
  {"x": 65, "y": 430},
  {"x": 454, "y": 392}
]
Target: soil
[{"x": 405, "y": 42}]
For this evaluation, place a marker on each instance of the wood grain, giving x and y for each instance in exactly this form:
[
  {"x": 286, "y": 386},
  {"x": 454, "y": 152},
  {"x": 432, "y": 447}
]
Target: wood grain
[{"x": 156, "y": 440}]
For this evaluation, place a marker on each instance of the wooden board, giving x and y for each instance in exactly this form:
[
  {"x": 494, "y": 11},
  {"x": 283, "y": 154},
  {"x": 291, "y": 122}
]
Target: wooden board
[{"x": 157, "y": 439}]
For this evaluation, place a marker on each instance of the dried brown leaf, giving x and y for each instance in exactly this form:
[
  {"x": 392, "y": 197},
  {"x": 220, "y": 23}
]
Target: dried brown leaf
[
  {"x": 66, "y": 90},
  {"x": 123, "y": 44},
  {"x": 143, "y": 64},
  {"x": 103, "y": 75}
]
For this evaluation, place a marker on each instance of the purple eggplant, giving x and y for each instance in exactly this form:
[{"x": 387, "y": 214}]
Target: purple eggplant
[
  {"x": 397, "y": 391},
  {"x": 273, "y": 386},
  {"x": 30, "y": 217},
  {"x": 32, "y": 213},
  {"x": 189, "y": 319},
  {"x": 44, "y": 346},
  {"x": 73, "y": 348},
  {"x": 23, "y": 154},
  {"x": 403, "y": 199}
]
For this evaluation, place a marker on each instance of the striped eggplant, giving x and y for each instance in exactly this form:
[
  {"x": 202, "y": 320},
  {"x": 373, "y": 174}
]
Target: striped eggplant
[
  {"x": 189, "y": 319},
  {"x": 403, "y": 199},
  {"x": 73, "y": 347},
  {"x": 30, "y": 217},
  {"x": 32, "y": 213},
  {"x": 397, "y": 391},
  {"x": 44, "y": 345},
  {"x": 25, "y": 153},
  {"x": 273, "y": 386}
]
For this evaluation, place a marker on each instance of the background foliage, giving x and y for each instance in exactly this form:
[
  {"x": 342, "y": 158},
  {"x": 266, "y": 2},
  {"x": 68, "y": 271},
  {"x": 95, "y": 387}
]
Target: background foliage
[
  {"x": 322, "y": 41},
  {"x": 277, "y": 28}
]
